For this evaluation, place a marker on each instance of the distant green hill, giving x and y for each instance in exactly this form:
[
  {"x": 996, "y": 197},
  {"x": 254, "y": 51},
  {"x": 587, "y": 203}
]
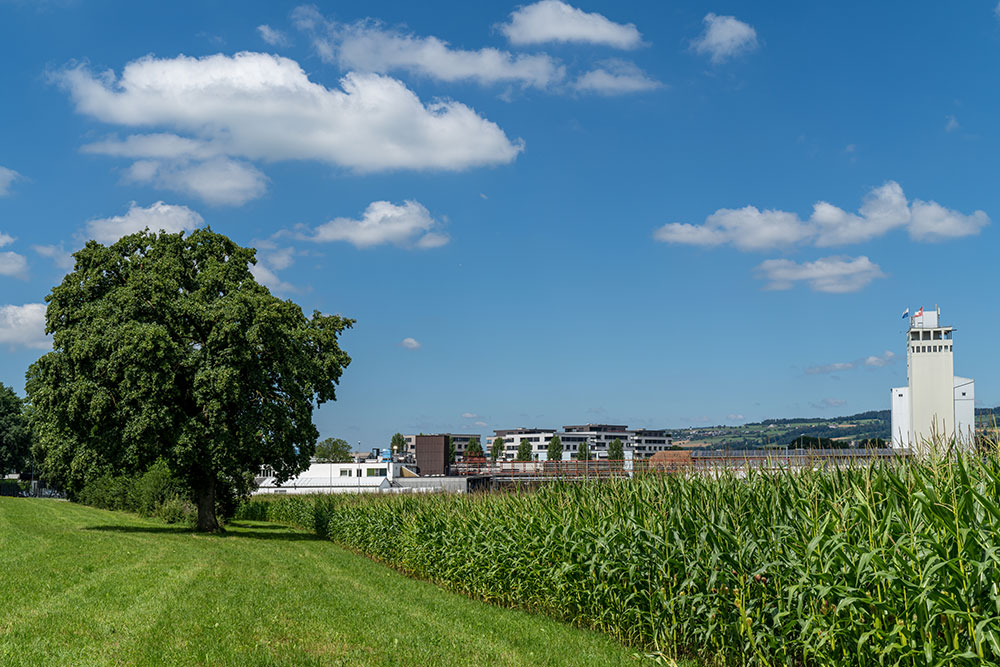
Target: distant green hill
[{"x": 870, "y": 426}]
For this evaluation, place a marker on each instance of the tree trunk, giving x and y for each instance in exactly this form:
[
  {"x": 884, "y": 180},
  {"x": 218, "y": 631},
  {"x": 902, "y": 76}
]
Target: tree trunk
[{"x": 207, "y": 523}]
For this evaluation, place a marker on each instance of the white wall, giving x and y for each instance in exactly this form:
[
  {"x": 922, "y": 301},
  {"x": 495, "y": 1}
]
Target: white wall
[{"x": 901, "y": 434}]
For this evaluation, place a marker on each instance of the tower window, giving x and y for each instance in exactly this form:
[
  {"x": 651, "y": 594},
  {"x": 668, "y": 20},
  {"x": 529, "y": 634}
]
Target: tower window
[
  {"x": 927, "y": 335},
  {"x": 915, "y": 335}
]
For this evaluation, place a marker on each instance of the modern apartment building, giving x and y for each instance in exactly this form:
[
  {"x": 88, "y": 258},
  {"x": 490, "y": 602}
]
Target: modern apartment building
[{"x": 642, "y": 442}]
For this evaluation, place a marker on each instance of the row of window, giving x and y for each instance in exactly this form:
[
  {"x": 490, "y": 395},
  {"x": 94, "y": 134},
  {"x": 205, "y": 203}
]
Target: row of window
[
  {"x": 927, "y": 335},
  {"x": 369, "y": 472},
  {"x": 930, "y": 348}
]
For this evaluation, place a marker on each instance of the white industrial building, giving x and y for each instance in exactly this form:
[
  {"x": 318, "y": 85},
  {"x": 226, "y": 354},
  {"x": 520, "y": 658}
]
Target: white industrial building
[
  {"x": 367, "y": 476},
  {"x": 936, "y": 406}
]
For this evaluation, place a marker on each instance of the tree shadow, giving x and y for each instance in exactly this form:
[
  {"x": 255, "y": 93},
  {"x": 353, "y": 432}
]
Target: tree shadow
[{"x": 276, "y": 533}]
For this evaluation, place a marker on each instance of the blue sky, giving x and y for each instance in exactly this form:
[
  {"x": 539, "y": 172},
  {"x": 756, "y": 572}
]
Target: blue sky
[{"x": 661, "y": 214}]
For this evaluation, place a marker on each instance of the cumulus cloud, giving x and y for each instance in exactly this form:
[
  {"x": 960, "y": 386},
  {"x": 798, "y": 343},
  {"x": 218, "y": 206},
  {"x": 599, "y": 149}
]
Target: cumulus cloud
[
  {"x": 219, "y": 181},
  {"x": 733, "y": 417},
  {"x": 210, "y": 116},
  {"x": 272, "y": 36},
  {"x": 7, "y": 178},
  {"x": 368, "y": 46},
  {"x": 829, "y": 274},
  {"x": 408, "y": 226},
  {"x": 5, "y": 239},
  {"x": 410, "y": 343},
  {"x": 479, "y": 423},
  {"x": 725, "y": 37},
  {"x": 880, "y": 360},
  {"x": 556, "y": 21},
  {"x": 828, "y": 403},
  {"x": 14, "y": 265},
  {"x": 883, "y": 209},
  {"x": 469, "y": 415},
  {"x": 875, "y": 361},
  {"x": 23, "y": 326},
  {"x": 615, "y": 77},
  {"x": 157, "y": 217},
  {"x": 61, "y": 257}
]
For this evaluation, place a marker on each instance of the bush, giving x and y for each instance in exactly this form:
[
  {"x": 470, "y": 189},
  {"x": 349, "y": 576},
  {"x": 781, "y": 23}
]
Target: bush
[
  {"x": 175, "y": 510},
  {"x": 153, "y": 488}
]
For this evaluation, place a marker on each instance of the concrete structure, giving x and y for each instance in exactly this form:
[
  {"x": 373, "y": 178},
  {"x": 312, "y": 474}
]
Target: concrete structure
[
  {"x": 640, "y": 443},
  {"x": 432, "y": 454},
  {"x": 936, "y": 405},
  {"x": 460, "y": 440}
]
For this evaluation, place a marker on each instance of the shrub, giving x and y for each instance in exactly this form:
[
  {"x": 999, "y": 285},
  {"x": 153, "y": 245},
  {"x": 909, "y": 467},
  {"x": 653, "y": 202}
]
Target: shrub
[{"x": 176, "y": 510}]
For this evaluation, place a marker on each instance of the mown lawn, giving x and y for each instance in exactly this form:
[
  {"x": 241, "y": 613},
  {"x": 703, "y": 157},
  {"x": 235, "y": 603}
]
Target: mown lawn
[{"x": 87, "y": 586}]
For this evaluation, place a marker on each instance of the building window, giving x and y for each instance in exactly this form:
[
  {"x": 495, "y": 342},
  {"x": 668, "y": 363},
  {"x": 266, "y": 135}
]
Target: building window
[
  {"x": 375, "y": 472},
  {"x": 915, "y": 335},
  {"x": 345, "y": 473}
]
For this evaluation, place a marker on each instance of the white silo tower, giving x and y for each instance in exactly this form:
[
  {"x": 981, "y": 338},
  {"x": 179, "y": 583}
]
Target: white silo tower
[{"x": 935, "y": 406}]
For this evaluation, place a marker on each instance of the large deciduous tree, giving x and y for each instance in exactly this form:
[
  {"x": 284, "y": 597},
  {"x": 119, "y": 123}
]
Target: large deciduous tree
[
  {"x": 496, "y": 450},
  {"x": 333, "y": 450},
  {"x": 398, "y": 443},
  {"x": 164, "y": 346},
  {"x": 15, "y": 439}
]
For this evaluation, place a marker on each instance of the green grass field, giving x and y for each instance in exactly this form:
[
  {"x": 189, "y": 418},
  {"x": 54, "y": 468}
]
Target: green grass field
[{"x": 88, "y": 586}]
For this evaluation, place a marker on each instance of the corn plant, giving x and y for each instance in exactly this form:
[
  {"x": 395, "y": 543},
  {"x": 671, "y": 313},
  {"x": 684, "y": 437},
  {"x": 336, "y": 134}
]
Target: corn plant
[{"x": 889, "y": 564}]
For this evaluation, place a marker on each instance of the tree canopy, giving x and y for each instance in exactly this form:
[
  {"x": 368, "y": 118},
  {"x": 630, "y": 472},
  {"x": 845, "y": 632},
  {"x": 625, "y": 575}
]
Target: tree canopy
[
  {"x": 524, "y": 450},
  {"x": 496, "y": 451},
  {"x": 15, "y": 436},
  {"x": 333, "y": 450},
  {"x": 583, "y": 454},
  {"x": 555, "y": 450},
  {"x": 164, "y": 346},
  {"x": 398, "y": 443},
  {"x": 616, "y": 450},
  {"x": 474, "y": 450}
]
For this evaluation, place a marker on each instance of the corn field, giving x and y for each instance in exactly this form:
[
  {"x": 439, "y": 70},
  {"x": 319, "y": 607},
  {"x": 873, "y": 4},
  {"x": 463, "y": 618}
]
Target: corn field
[{"x": 882, "y": 565}]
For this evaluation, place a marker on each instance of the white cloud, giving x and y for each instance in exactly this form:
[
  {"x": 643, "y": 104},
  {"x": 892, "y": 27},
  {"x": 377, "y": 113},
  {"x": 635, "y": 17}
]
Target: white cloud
[
  {"x": 14, "y": 265},
  {"x": 408, "y": 226},
  {"x": 367, "y": 46},
  {"x": 5, "y": 239},
  {"x": 615, "y": 77},
  {"x": 883, "y": 209},
  {"x": 469, "y": 415},
  {"x": 733, "y": 417},
  {"x": 410, "y": 343},
  {"x": 555, "y": 21},
  {"x": 725, "y": 37},
  {"x": 874, "y": 361},
  {"x": 747, "y": 228},
  {"x": 7, "y": 178},
  {"x": 878, "y": 361},
  {"x": 157, "y": 217},
  {"x": 23, "y": 325},
  {"x": 951, "y": 124},
  {"x": 219, "y": 181},
  {"x": 479, "y": 423},
  {"x": 61, "y": 257},
  {"x": 262, "y": 107},
  {"x": 272, "y": 36},
  {"x": 933, "y": 222},
  {"x": 829, "y": 274}
]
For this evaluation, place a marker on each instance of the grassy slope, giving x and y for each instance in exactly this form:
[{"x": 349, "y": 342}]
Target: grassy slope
[{"x": 85, "y": 586}]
